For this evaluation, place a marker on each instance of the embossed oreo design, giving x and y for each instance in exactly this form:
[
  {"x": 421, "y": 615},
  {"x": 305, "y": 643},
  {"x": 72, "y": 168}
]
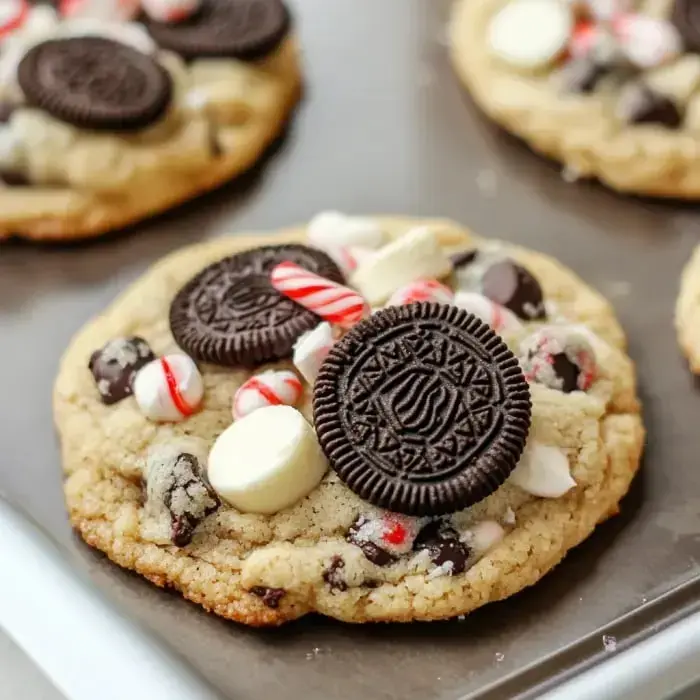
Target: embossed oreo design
[
  {"x": 95, "y": 83},
  {"x": 230, "y": 314},
  {"x": 245, "y": 29},
  {"x": 422, "y": 409}
]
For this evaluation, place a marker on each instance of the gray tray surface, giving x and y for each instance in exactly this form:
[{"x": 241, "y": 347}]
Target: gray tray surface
[{"x": 386, "y": 128}]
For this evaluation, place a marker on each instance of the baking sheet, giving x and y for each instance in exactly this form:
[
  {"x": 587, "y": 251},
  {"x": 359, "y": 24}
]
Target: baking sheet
[{"x": 385, "y": 128}]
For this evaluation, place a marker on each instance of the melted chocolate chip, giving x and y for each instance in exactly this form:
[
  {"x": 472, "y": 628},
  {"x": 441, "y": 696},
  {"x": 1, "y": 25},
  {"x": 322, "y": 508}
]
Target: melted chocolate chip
[
  {"x": 443, "y": 546},
  {"x": 115, "y": 365},
  {"x": 512, "y": 286},
  {"x": 333, "y": 575},
  {"x": 371, "y": 583},
  {"x": 373, "y": 552},
  {"x": 6, "y": 111},
  {"x": 13, "y": 178},
  {"x": 640, "y": 105},
  {"x": 270, "y": 596},
  {"x": 566, "y": 371},
  {"x": 464, "y": 258}
]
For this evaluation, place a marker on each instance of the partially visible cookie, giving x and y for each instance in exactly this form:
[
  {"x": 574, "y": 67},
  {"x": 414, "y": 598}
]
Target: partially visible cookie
[
  {"x": 609, "y": 89},
  {"x": 688, "y": 312},
  {"x": 414, "y": 466},
  {"x": 106, "y": 119}
]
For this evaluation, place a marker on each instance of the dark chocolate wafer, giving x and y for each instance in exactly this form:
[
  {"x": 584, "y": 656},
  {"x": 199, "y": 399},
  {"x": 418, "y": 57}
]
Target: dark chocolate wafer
[
  {"x": 230, "y": 314},
  {"x": 422, "y": 409}
]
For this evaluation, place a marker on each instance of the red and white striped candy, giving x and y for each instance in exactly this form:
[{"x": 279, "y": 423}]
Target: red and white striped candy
[
  {"x": 13, "y": 14},
  {"x": 393, "y": 532},
  {"x": 272, "y": 388},
  {"x": 117, "y": 10},
  {"x": 331, "y": 301},
  {"x": 170, "y": 10},
  {"x": 169, "y": 389},
  {"x": 583, "y": 39},
  {"x": 498, "y": 317},
  {"x": 311, "y": 350},
  {"x": 421, "y": 290}
]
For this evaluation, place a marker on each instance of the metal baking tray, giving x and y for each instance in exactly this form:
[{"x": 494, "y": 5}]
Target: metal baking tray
[{"x": 386, "y": 128}]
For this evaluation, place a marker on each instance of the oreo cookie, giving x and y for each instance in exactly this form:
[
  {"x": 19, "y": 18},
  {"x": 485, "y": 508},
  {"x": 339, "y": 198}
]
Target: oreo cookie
[
  {"x": 422, "y": 409},
  {"x": 95, "y": 83},
  {"x": 230, "y": 314},
  {"x": 243, "y": 29}
]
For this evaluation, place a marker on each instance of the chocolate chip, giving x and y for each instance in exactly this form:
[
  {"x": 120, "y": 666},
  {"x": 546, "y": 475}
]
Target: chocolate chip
[
  {"x": 639, "y": 104},
  {"x": 511, "y": 285},
  {"x": 270, "y": 596},
  {"x": 115, "y": 365},
  {"x": 443, "y": 545},
  {"x": 333, "y": 575},
  {"x": 6, "y": 111},
  {"x": 567, "y": 371},
  {"x": 371, "y": 583},
  {"x": 13, "y": 178},
  {"x": 464, "y": 258},
  {"x": 176, "y": 489},
  {"x": 373, "y": 552},
  {"x": 581, "y": 75}
]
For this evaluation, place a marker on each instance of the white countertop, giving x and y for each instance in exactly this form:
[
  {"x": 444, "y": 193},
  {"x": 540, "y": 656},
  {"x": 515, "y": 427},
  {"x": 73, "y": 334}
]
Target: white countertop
[{"x": 20, "y": 676}]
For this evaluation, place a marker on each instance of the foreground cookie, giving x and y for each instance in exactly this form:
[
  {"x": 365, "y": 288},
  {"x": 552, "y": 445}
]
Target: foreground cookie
[
  {"x": 610, "y": 88},
  {"x": 113, "y": 111},
  {"x": 688, "y": 312},
  {"x": 409, "y": 460}
]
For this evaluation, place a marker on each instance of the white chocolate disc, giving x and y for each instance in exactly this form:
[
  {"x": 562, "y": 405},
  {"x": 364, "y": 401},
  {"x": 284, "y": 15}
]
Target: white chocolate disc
[
  {"x": 266, "y": 461},
  {"x": 405, "y": 260},
  {"x": 169, "y": 401},
  {"x": 543, "y": 471},
  {"x": 530, "y": 34}
]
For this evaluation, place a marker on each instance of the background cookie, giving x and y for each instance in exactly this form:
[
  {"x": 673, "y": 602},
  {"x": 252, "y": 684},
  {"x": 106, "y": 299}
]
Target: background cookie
[
  {"x": 612, "y": 95},
  {"x": 688, "y": 312},
  {"x": 186, "y": 124},
  {"x": 323, "y": 554}
]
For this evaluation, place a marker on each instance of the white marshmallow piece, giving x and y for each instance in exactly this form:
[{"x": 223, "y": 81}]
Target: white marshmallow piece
[
  {"x": 270, "y": 388},
  {"x": 331, "y": 230},
  {"x": 531, "y": 34},
  {"x": 413, "y": 256},
  {"x": 485, "y": 535},
  {"x": 169, "y": 389},
  {"x": 311, "y": 349},
  {"x": 170, "y": 10},
  {"x": 500, "y": 319},
  {"x": 543, "y": 471},
  {"x": 109, "y": 10},
  {"x": 13, "y": 14},
  {"x": 266, "y": 461},
  {"x": 646, "y": 41}
]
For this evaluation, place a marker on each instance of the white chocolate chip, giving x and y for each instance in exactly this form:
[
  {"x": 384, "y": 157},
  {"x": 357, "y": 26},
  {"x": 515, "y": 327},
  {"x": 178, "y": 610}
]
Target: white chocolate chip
[
  {"x": 407, "y": 259},
  {"x": 530, "y": 34},
  {"x": 266, "y": 461},
  {"x": 543, "y": 471},
  {"x": 484, "y": 536}
]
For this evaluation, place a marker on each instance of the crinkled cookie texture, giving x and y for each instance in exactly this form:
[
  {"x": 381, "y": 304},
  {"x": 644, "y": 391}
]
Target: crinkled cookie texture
[
  {"x": 61, "y": 182},
  {"x": 320, "y": 554},
  {"x": 634, "y": 127},
  {"x": 688, "y": 312}
]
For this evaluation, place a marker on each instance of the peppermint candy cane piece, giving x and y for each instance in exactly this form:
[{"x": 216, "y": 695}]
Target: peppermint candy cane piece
[
  {"x": 311, "y": 349},
  {"x": 111, "y": 10},
  {"x": 422, "y": 290},
  {"x": 13, "y": 14},
  {"x": 169, "y": 389},
  {"x": 331, "y": 301},
  {"x": 271, "y": 388},
  {"x": 170, "y": 10},
  {"x": 646, "y": 41},
  {"x": 498, "y": 317}
]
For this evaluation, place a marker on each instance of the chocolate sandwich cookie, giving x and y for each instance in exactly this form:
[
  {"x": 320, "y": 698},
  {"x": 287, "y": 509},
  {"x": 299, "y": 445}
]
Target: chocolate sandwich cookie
[
  {"x": 95, "y": 83},
  {"x": 230, "y": 314},
  {"x": 422, "y": 409},
  {"x": 244, "y": 29}
]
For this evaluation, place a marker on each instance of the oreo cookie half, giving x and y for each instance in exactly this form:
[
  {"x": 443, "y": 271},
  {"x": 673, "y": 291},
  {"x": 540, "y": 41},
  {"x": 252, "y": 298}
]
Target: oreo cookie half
[
  {"x": 422, "y": 409},
  {"x": 244, "y": 29},
  {"x": 230, "y": 314},
  {"x": 95, "y": 83}
]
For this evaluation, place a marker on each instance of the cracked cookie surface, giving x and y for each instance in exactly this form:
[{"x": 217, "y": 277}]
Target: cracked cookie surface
[{"x": 322, "y": 553}]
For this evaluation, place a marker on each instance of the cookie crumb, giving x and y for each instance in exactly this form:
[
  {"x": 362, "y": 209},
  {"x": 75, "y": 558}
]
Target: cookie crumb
[{"x": 609, "y": 643}]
